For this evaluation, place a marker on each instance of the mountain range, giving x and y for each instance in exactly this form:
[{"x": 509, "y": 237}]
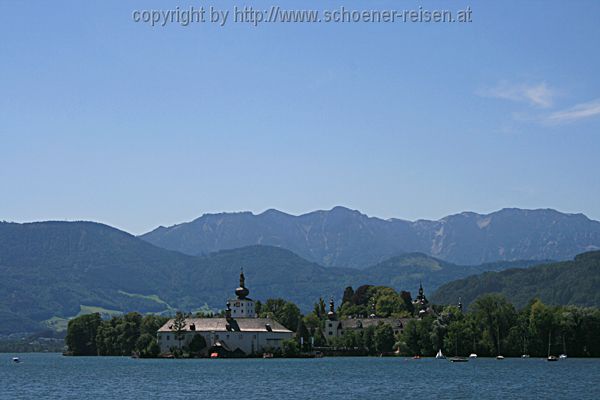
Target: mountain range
[
  {"x": 52, "y": 271},
  {"x": 348, "y": 238},
  {"x": 574, "y": 282}
]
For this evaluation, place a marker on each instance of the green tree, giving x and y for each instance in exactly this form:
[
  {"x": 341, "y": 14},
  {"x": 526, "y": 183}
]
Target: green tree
[
  {"x": 348, "y": 294},
  {"x": 302, "y": 333},
  {"x": 408, "y": 342},
  {"x": 284, "y": 312},
  {"x": 150, "y": 324},
  {"x": 197, "y": 345},
  {"x": 81, "y": 335},
  {"x": 146, "y": 346},
  {"x": 495, "y": 315},
  {"x": 384, "y": 338},
  {"x": 290, "y": 348},
  {"x": 368, "y": 335},
  {"x": 312, "y": 323},
  {"x": 257, "y": 307},
  {"x": 178, "y": 327},
  {"x": 388, "y": 304},
  {"x": 320, "y": 309}
]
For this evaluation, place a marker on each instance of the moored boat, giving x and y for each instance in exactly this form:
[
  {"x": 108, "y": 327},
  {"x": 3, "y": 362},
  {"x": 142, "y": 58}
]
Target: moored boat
[
  {"x": 472, "y": 355},
  {"x": 440, "y": 355},
  {"x": 16, "y": 360},
  {"x": 458, "y": 359},
  {"x": 562, "y": 357},
  {"x": 499, "y": 357},
  {"x": 550, "y": 357}
]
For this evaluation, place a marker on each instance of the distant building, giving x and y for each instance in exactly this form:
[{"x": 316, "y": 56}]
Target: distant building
[
  {"x": 240, "y": 332},
  {"x": 336, "y": 328},
  {"x": 421, "y": 303}
]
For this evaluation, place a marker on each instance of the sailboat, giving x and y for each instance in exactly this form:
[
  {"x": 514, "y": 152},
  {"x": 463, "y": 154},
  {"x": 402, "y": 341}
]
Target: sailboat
[
  {"x": 473, "y": 354},
  {"x": 550, "y": 357},
  {"x": 456, "y": 357},
  {"x": 499, "y": 357},
  {"x": 440, "y": 355},
  {"x": 525, "y": 354},
  {"x": 563, "y": 356}
]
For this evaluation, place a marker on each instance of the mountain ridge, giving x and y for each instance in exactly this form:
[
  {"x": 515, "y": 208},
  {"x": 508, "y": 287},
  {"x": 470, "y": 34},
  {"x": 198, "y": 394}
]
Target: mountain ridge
[
  {"x": 574, "y": 282},
  {"x": 346, "y": 237}
]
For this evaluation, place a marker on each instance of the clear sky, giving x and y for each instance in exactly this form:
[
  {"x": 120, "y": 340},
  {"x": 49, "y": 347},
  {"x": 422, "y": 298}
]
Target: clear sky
[{"x": 105, "y": 119}]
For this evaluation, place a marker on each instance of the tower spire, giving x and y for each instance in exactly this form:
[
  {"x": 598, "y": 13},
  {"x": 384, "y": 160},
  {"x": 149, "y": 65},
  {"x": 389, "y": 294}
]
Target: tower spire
[
  {"x": 331, "y": 313},
  {"x": 241, "y": 292}
]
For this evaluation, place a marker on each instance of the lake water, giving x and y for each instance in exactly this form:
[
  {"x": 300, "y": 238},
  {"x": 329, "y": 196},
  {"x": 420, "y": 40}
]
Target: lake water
[{"x": 52, "y": 376}]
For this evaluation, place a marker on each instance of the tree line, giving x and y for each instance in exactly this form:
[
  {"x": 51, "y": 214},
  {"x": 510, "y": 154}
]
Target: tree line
[
  {"x": 492, "y": 326},
  {"x": 132, "y": 333}
]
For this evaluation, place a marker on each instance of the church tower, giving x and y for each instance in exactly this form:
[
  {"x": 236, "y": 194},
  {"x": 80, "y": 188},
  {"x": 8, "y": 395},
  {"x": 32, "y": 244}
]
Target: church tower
[
  {"x": 332, "y": 325},
  {"x": 242, "y": 306}
]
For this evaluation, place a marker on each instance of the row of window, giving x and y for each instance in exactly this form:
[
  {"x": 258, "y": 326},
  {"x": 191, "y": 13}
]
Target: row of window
[{"x": 227, "y": 336}]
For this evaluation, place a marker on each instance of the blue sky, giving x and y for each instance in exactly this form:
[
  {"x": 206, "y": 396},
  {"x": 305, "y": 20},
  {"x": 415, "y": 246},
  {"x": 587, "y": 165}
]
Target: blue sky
[{"x": 109, "y": 120}]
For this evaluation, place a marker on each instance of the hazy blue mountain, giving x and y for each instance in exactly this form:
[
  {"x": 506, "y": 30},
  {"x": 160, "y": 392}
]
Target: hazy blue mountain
[
  {"x": 54, "y": 270},
  {"x": 570, "y": 282},
  {"x": 343, "y": 237}
]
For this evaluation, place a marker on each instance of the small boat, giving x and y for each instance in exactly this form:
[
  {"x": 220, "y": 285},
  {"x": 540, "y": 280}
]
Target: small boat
[
  {"x": 550, "y": 357},
  {"x": 268, "y": 355},
  {"x": 416, "y": 357},
  {"x": 440, "y": 355},
  {"x": 458, "y": 359},
  {"x": 214, "y": 355},
  {"x": 499, "y": 357},
  {"x": 16, "y": 360},
  {"x": 472, "y": 355},
  {"x": 562, "y": 357},
  {"x": 525, "y": 356}
]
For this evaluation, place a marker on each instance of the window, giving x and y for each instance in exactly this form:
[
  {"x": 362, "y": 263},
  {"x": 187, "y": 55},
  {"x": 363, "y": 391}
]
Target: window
[
  {"x": 330, "y": 324},
  {"x": 168, "y": 337},
  {"x": 330, "y": 333}
]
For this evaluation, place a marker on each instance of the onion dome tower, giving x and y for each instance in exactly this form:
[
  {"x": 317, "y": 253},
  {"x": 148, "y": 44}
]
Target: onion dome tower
[
  {"x": 331, "y": 313},
  {"x": 242, "y": 306},
  {"x": 242, "y": 292}
]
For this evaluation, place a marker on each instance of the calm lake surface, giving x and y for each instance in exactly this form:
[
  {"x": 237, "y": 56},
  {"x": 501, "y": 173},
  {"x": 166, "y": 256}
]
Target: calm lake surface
[{"x": 52, "y": 376}]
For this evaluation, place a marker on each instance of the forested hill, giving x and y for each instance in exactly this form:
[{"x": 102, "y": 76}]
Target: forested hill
[
  {"x": 54, "y": 270},
  {"x": 571, "y": 282},
  {"x": 348, "y": 238}
]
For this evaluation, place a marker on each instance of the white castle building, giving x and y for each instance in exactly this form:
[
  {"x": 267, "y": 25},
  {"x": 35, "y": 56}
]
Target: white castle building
[{"x": 240, "y": 332}]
